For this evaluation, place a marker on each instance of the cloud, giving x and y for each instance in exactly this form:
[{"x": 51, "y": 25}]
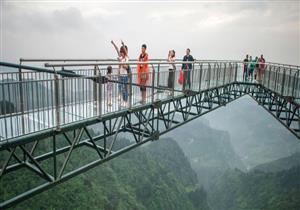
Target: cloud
[
  {"x": 164, "y": 15},
  {"x": 219, "y": 19},
  {"x": 35, "y": 20},
  {"x": 68, "y": 18},
  {"x": 101, "y": 12},
  {"x": 217, "y": 30}
]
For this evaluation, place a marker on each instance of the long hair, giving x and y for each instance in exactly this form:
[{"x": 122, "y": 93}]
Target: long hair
[
  {"x": 109, "y": 70},
  {"x": 123, "y": 50},
  {"x": 173, "y": 53}
]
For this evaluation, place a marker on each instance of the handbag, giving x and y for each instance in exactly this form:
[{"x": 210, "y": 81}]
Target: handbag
[{"x": 181, "y": 77}]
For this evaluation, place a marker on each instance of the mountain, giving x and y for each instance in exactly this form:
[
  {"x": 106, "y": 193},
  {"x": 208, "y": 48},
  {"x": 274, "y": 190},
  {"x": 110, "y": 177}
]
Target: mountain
[
  {"x": 256, "y": 136},
  {"x": 280, "y": 164},
  {"x": 256, "y": 190},
  {"x": 155, "y": 176},
  {"x": 270, "y": 186},
  {"x": 209, "y": 150},
  {"x": 223, "y": 160}
]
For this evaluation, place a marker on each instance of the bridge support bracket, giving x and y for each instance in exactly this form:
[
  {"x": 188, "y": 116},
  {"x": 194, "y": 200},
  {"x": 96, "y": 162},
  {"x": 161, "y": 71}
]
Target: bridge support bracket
[
  {"x": 57, "y": 130},
  {"x": 189, "y": 93},
  {"x": 155, "y": 135},
  {"x": 157, "y": 104}
]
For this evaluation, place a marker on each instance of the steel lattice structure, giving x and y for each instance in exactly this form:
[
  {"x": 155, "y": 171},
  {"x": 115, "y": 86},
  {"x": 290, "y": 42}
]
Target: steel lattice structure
[{"x": 67, "y": 123}]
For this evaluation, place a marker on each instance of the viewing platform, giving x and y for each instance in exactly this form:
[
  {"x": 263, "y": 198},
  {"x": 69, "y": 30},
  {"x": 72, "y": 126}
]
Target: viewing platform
[{"x": 36, "y": 98}]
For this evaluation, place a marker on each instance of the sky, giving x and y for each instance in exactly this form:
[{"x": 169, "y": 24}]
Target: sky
[{"x": 211, "y": 29}]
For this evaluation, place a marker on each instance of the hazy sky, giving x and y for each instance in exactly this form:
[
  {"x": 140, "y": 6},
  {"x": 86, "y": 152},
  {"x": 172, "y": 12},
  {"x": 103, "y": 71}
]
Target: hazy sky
[{"x": 213, "y": 30}]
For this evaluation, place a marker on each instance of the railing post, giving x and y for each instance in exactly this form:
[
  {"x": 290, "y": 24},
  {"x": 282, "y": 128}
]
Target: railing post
[
  {"x": 63, "y": 89},
  {"x": 276, "y": 78},
  {"x": 213, "y": 75},
  {"x": 100, "y": 95},
  {"x": 158, "y": 70},
  {"x": 130, "y": 90},
  {"x": 152, "y": 86},
  {"x": 231, "y": 71},
  {"x": 209, "y": 69},
  {"x": 56, "y": 96},
  {"x": 270, "y": 76},
  {"x": 235, "y": 73},
  {"x": 218, "y": 70},
  {"x": 225, "y": 72},
  {"x": 228, "y": 68},
  {"x": 220, "y": 74},
  {"x": 173, "y": 86},
  {"x": 193, "y": 73},
  {"x": 297, "y": 95},
  {"x": 95, "y": 89},
  {"x": 282, "y": 82},
  {"x": 200, "y": 76},
  {"x": 295, "y": 84},
  {"x": 264, "y": 74},
  {"x": 21, "y": 98},
  {"x": 289, "y": 81}
]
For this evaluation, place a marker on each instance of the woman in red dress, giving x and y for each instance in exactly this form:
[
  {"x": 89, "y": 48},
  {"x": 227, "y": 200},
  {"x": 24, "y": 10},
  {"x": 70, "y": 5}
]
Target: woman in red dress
[{"x": 143, "y": 73}]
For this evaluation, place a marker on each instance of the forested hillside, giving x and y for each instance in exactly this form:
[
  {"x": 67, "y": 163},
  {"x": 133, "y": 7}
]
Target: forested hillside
[
  {"x": 209, "y": 151},
  {"x": 256, "y": 190},
  {"x": 280, "y": 164},
  {"x": 156, "y": 176}
]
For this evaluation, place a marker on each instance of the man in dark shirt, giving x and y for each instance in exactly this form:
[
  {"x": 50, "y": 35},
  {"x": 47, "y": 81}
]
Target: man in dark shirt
[
  {"x": 187, "y": 69},
  {"x": 245, "y": 73}
]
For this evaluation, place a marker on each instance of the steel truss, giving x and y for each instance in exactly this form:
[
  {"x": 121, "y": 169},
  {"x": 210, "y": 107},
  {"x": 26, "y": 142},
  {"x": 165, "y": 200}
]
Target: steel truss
[
  {"x": 283, "y": 108},
  {"x": 140, "y": 124}
]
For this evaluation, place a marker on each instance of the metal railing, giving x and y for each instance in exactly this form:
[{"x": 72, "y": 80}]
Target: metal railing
[
  {"x": 283, "y": 80},
  {"x": 34, "y": 98}
]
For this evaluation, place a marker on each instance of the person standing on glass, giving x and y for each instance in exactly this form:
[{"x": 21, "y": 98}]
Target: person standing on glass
[
  {"x": 245, "y": 73},
  {"x": 187, "y": 68},
  {"x": 261, "y": 68},
  {"x": 143, "y": 73},
  {"x": 172, "y": 69}
]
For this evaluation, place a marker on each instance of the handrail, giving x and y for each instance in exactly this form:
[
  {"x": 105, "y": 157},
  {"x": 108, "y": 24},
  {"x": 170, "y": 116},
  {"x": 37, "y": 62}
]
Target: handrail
[
  {"x": 63, "y": 60},
  {"x": 38, "y": 69},
  {"x": 154, "y": 59},
  {"x": 116, "y": 63},
  {"x": 70, "y": 73},
  {"x": 161, "y": 62}
]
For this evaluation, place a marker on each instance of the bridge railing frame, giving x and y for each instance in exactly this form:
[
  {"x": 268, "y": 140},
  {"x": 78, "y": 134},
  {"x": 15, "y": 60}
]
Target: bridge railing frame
[{"x": 282, "y": 79}]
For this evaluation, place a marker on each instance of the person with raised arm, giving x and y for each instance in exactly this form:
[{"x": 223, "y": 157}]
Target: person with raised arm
[
  {"x": 123, "y": 75},
  {"x": 122, "y": 72},
  {"x": 119, "y": 84},
  {"x": 116, "y": 47},
  {"x": 128, "y": 69}
]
